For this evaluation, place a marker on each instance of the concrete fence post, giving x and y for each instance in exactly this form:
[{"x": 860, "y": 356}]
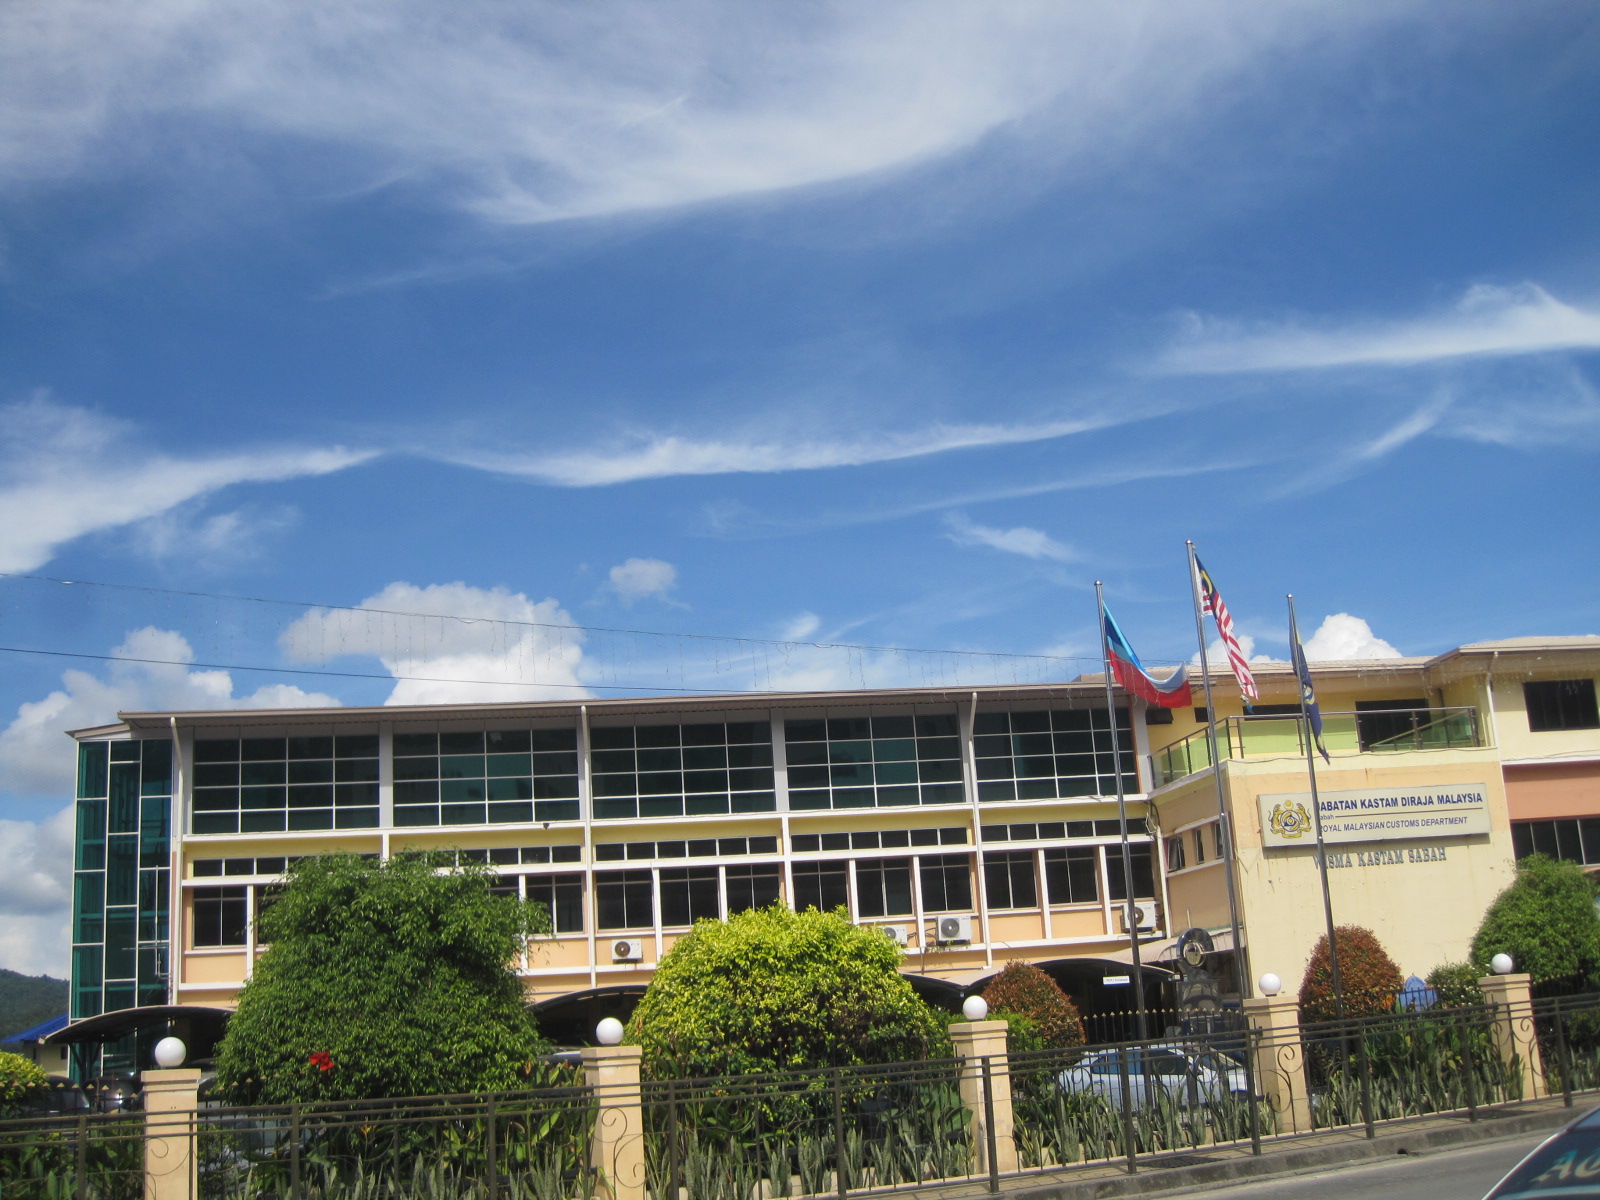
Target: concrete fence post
[
  {"x": 616, "y": 1147},
  {"x": 171, "y": 1108},
  {"x": 1515, "y": 1039},
  {"x": 1280, "y": 1064},
  {"x": 975, "y": 1041}
]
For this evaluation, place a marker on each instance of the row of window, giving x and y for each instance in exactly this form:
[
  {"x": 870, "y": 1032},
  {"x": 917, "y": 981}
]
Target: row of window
[
  {"x": 1576, "y": 839},
  {"x": 883, "y": 888},
  {"x": 1194, "y": 848},
  {"x": 1056, "y": 831},
  {"x": 878, "y": 839},
  {"x": 730, "y": 847}
]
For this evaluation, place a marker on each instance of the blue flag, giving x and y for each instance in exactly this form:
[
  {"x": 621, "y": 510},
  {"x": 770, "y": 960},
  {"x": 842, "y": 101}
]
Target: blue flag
[{"x": 1308, "y": 697}]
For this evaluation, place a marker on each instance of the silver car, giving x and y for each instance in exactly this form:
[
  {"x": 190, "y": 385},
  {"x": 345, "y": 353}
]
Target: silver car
[
  {"x": 1566, "y": 1164},
  {"x": 1186, "y": 1073}
]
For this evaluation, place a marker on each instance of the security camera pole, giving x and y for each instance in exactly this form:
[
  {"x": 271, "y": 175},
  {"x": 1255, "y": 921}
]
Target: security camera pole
[{"x": 1130, "y": 918}]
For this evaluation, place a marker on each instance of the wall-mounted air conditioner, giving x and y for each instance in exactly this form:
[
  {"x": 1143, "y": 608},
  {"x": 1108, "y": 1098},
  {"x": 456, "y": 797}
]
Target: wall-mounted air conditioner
[
  {"x": 954, "y": 929},
  {"x": 627, "y": 950},
  {"x": 1144, "y": 915},
  {"x": 900, "y": 935}
]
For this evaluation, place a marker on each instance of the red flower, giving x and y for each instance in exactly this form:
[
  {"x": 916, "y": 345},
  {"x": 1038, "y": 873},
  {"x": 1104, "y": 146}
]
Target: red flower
[{"x": 322, "y": 1060}]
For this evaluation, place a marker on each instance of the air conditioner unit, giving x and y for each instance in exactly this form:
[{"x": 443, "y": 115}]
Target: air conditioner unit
[
  {"x": 900, "y": 935},
  {"x": 954, "y": 929},
  {"x": 1144, "y": 915},
  {"x": 627, "y": 950}
]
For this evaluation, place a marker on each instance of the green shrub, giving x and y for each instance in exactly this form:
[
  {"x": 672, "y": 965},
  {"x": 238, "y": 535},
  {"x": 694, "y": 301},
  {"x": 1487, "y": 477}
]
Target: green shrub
[
  {"x": 1545, "y": 921},
  {"x": 1456, "y": 984},
  {"x": 1022, "y": 1033},
  {"x": 383, "y": 979},
  {"x": 1024, "y": 990},
  {"x": 1367, "y": 974},
  {"x": 18, "y": 1077},
  {"x": 774, "y": 990}
]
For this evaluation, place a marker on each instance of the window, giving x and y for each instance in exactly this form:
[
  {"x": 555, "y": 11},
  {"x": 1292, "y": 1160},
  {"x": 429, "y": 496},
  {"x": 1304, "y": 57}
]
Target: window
[
  {"x": 1008, "y": 880},
  {"x": 751, "y": 887},
  {"x": 823, "y": 885},
  {"x": 1576, "y": 839},
  {"x": 623, "y": 900},
  {"x": 678, "y": 770},
  {"x": 562, "y": 896},
  {"x": 477, "y": 777},
  {"x": 1043, "y": 755},
  {"x": 1177, "y": 859},
  {"x": 883, "y": 887},
  {"x": 1070, "y": 876},
  {"x": 693, "y": 848},
  {"x": 264, "y": 785},
  {"x": 1144, "y": 883},
  {"x": 946, "y": 883},
  {"x": 1561, "y": 704},
  {"x": 689, "y": 894},
  {"x": 862, "y": 762},
  {"x": 885, "y": 839},
  {"x": 220, "y": 916},
  {"x": 1383, "y": 720},
  {"x": 1216, "y": 839},
  {"x": 1199, "y": 846}
]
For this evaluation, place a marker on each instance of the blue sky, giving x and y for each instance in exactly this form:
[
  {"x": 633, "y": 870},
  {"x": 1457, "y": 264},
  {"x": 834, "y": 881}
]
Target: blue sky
[{"x": 890, "y": 325}]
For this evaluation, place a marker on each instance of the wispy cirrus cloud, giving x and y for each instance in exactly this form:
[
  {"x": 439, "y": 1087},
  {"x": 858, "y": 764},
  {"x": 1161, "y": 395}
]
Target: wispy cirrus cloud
[
  {"x": 523, "y": 114},
  {"x": 66, "y": 472},
  {"x": 1030, "y": 543},
  {"x": 1487, "y": 322},
  {"x": 658, "y": 456}
]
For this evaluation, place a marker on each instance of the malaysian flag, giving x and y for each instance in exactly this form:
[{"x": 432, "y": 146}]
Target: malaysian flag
[{"x": 1211, "y": 601}]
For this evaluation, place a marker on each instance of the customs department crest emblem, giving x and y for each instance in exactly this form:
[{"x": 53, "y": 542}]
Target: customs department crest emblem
[{"x": 1289, "y": 819}]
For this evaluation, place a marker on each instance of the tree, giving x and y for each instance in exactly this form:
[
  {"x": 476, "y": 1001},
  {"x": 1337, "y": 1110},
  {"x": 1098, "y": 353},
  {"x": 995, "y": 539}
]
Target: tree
[
  {"x": 18, "y": 1077},
  {"x": 1368, "y": 976},
  {"x": 383, "y": 979},
  {"x": 1024, "y": 990},
  {"x": 772, "y": 990},
  {"x": 1545, "y": 921},
  {"x": 1456, "y": 984}
]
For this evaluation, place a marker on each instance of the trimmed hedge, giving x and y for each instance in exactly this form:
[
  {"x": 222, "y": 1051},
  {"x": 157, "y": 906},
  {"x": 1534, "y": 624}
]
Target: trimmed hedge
[
  {"x": 1022, "y": 989},
  {"x": 1369, "y": 977}
]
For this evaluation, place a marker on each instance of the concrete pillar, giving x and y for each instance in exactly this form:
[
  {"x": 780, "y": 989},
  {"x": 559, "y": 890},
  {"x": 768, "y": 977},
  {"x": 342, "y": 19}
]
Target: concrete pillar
[
  {"x": 1280, "y": 1066},
  {"x": 975, "y": 1041},
  {"x": 1514, "y": 1036},
  {"x": 616, "y": 1147},
  {"x": 171, "y": 1105}
]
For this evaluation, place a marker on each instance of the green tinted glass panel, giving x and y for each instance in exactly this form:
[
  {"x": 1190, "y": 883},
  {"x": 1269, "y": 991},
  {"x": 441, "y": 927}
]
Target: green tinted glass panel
[
  {"x": 122, "y": 869},
  {"x": 121, "y": 937},
  {"x": 156, "y": 763},
  {"x": 154, "y": 813},
  {"x": 92, "y": 761},
  {"x": 91, "y": 835},
  {"x": 88, "y": 907},
  {"x": 122, "y": 814}
]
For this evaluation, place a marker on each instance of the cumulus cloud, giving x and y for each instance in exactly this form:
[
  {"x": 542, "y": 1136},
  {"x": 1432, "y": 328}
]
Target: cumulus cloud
[
  {"x": 35, "y": 894},
  {"x": 1030, "y": 543},
  {"x": 1342, "y": 637},
  {"x": 639, "y": 578},
  {"x": 1217, "y": 653},
  {"x": 66, "y": 472},
  {"x": 534, "y": 113},
  {"x": 451, "y": 643},
  {"x": 1487, "y": 322},
  {"x": 659, "y": 456}
]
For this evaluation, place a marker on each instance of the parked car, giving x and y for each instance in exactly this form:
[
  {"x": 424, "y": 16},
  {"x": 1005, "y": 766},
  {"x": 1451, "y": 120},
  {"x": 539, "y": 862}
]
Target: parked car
[
  {"x": 1172, "y": 1069},
  {"x": 1565, "y": 1164}
]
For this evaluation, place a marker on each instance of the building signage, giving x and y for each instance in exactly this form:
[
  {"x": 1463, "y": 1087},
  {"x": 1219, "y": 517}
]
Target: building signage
[{"x": 1375, "y": 815}]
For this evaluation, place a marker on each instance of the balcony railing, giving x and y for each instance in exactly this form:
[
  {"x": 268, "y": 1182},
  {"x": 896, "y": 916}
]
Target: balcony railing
[{"x": 1368, "y": 732}]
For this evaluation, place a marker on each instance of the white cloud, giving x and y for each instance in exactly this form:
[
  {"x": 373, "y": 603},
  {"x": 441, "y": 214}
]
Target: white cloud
[
  {"x": 1342, "y": 638},
  {"x": 1030, "y": 543},
  {"x": 657, "y": 456},
  {"x": 66, "y": 472},
  {"x": 800, "y": 628},
  {"x": 220, "y": 540},
  {"x": 461, "y": 643},
  {"x": 540, "y": 112},
  {"x": 1217, "y": 653},
  {"x": 1487, "y": 322},
  {"x": 35, "y": 893},
  {"x": 639, "y": 578}
]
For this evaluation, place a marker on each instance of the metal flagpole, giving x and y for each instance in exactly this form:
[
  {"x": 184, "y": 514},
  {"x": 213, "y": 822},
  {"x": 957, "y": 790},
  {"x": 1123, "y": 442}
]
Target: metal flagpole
[
  {"x": 1316, "y": 814},
  {"x": 1240, "y": 957},
  {"x": 1129, "y": 908}
]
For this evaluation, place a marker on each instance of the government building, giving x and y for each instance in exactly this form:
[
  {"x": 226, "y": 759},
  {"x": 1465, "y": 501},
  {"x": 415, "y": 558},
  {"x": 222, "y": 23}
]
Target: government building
[{"x": 975, "y": 826}]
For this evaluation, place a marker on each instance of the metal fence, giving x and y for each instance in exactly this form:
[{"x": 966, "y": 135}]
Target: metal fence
[{"x": 836, "y": 1131}]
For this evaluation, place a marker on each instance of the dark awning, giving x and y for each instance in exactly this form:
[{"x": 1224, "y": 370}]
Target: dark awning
[{"x": 109, "y": 1027}]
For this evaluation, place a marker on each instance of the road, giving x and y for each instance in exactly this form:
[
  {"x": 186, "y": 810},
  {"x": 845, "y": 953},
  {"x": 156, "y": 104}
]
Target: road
[{"x": 1458, "y": 1173}]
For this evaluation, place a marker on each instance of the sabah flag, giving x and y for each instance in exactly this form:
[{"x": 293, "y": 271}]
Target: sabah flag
[{"x": 1171, "y": 692}]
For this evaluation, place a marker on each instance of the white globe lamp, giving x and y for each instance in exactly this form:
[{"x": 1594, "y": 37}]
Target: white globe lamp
[
  {"x": 608, "y": 1032},
  {"x": 974, "y": 1008},
  {"x": 170, "y": 1052},
  {"x": 1270, "y": 984},
  {"x": 1501, "y": 964}
]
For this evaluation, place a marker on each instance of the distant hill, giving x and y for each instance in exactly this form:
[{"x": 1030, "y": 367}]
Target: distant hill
[{"x": 29, "y": 1000}]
